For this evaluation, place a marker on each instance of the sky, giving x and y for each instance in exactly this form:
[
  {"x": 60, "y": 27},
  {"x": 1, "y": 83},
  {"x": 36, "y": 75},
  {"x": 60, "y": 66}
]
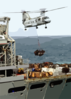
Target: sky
[{"x": 60, "y": 19}]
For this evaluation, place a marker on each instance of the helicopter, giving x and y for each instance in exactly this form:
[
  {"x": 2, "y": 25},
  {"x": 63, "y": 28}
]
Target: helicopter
[{"x": 35, "y": 22}]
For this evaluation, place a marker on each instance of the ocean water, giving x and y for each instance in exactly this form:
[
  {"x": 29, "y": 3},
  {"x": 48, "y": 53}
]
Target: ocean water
[
  {"x": 53, "y": 53},
  {"x": 57, "y": 50}
]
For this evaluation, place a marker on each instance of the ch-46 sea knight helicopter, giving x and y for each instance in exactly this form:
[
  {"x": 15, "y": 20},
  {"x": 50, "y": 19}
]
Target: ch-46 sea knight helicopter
[{"x": 35, "y": 22}]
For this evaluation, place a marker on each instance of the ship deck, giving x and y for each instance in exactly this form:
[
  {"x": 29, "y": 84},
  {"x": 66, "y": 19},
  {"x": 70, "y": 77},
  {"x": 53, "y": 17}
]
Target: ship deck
[{"x": 48, "y": 78}]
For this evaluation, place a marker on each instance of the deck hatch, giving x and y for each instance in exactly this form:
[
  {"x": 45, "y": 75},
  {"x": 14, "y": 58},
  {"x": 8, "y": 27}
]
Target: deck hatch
[
  {"x": 16, "y": 89},
  {"x": 68, "y": 80},
  {"x": 40, "y": 85},
  {"x": 56, "y": 82}
]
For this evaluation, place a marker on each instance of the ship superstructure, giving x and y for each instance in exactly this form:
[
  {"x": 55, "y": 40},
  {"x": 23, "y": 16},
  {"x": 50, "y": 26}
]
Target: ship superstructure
[
  {"x": 7, "y": 45},
  {"x": 8, "y": 58}
]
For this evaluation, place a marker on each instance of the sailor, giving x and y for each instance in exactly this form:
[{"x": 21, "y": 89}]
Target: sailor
[
  {"x": 22, "y": 70},
  {"x": 33, "y": 69},
  {"x": 19, "y": 70}
]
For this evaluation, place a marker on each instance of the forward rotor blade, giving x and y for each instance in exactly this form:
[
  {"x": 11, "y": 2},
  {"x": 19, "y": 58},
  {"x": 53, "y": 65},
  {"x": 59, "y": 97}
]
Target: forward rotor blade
[
  {"x": 55, "y": 9},
  {"x": 17, "y": 12},
  {"x": 12, "y": 12}
]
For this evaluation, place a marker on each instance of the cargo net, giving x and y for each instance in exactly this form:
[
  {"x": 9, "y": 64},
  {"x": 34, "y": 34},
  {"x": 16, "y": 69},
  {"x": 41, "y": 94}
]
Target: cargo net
[{"x": 39, "y": 52}]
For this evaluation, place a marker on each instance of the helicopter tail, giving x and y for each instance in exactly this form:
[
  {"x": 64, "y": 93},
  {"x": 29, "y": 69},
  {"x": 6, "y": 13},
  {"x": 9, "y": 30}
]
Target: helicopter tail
[{"x": 25, "y": 17}]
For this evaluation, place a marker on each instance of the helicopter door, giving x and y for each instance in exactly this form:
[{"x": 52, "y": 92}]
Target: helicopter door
[
  {"x": 33, "y": 22},
  {"x": 42, "y": 19}
]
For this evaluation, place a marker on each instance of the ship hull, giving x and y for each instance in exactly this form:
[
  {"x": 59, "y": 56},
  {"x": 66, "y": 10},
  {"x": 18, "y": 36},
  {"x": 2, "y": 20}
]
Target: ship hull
[{"x": 56, "y": 91}]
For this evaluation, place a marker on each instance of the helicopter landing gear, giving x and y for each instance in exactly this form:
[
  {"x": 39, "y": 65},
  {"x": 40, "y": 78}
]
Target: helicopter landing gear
[
  {"x": 25, "y": 29},
  {"x": 45, "y": 27},
  {"x": 36, "y": 27}
]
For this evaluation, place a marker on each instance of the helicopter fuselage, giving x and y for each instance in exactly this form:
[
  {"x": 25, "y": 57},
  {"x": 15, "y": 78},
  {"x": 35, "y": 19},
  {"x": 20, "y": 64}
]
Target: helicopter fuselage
[{"x": 36, "y": 21}]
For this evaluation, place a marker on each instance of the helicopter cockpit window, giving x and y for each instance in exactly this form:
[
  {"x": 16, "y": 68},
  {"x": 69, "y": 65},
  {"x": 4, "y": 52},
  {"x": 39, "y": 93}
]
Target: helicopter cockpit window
[
  {"x": 24, "y": 20},
  {"x": 45, "y": 17},
  {"x": 38, "y": 19}
]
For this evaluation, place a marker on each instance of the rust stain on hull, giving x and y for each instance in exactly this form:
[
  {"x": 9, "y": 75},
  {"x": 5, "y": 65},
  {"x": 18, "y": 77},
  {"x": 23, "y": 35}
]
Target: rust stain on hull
[{"x": 48, "y": 78}]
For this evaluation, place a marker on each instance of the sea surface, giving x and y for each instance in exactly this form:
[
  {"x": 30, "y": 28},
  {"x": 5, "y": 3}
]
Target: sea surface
[{"x": 57, "y": 50}]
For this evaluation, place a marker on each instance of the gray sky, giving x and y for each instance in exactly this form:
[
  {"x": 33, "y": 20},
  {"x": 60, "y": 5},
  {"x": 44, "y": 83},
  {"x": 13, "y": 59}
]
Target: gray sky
[{"x": 60, "y": 19}]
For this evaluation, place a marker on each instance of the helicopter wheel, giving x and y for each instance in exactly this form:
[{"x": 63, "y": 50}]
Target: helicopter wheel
[
  {"x": 36, "y": 27},
  {"x": 25, "y": 29},
  {"x": 45, "y": 27}
]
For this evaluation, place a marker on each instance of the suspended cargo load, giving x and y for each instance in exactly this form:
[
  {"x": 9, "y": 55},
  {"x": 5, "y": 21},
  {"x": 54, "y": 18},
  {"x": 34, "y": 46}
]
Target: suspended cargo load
[{"x": 39, "y": 52}]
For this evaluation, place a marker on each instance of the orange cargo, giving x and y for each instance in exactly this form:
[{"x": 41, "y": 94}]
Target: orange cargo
[
  {"x": 44, "y": 74},
  {"x": 50, "y": 73},
  {"x": 38, "y": 74},
  {"x": 33, "y": 74},
  {"x": 36, "y": 66},
  {"x": 38, "y": 69},
  {"x": 47, "y": 74}
]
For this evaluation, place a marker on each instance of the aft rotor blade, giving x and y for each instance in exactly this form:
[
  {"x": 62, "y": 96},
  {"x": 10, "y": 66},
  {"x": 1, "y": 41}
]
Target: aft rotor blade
[
  {"x": 43, "y": 10},
  {"x": 55, "y": 9}
]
